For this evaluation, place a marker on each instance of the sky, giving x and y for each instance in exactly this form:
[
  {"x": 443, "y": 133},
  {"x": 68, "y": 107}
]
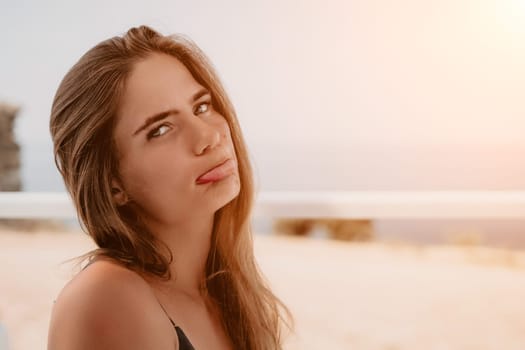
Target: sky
[{"x": 331, "y": 95}]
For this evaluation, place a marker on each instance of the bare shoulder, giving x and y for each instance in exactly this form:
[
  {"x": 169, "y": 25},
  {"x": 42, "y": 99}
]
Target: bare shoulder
[{"x": 107, "y": 306}]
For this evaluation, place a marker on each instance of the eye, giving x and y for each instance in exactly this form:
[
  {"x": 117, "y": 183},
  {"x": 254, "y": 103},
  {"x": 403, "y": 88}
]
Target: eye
[
  {"x": 156, "y": 132},
  {"x": 203, "y": 107}
]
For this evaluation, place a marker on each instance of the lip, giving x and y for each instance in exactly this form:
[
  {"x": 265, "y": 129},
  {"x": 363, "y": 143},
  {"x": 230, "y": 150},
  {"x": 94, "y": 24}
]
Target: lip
[{"x": 218, "y": 172}]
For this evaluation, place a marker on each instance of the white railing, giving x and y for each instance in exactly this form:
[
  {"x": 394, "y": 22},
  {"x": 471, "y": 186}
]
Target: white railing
[{"x": 345, "y": 204}]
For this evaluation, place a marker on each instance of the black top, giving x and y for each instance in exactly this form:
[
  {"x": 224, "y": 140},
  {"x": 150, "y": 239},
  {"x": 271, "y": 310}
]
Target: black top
[{"x": 184, "y": 342}]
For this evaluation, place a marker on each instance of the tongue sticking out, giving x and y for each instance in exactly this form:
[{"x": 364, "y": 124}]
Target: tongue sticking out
[{"x": 218, "y": 172}]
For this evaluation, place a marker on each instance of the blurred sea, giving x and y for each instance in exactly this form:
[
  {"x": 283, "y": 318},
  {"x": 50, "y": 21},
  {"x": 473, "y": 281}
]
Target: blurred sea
[{"x": 39, "y": 174}]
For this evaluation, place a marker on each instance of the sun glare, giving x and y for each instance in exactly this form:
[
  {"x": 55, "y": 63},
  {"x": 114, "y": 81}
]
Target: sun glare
[{"x": 514, "y": 15}]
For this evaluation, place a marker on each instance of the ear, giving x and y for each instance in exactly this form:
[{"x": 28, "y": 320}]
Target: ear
[{"x": 119, "y": 195}]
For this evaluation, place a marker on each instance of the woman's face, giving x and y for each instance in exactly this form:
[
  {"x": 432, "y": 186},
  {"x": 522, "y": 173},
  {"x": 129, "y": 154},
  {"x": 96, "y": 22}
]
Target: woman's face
[{"x": 162, "y": 157}]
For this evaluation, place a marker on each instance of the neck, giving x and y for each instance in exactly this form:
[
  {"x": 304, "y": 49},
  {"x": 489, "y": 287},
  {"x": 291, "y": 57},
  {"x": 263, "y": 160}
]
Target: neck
[{"x": 190, "y": 245}]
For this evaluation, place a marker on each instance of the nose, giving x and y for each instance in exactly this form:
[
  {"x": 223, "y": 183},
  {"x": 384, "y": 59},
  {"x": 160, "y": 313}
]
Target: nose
[{"x": 204, "y": 136}]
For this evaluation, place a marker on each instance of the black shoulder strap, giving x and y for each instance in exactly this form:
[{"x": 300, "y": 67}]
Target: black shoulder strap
[
  {"x": 184, "y": 342},
  {"x": 173, "y": 323}
]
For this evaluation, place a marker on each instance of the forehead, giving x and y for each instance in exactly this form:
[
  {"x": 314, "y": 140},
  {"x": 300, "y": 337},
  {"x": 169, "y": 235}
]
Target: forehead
[{"x": 156, "y": 83}]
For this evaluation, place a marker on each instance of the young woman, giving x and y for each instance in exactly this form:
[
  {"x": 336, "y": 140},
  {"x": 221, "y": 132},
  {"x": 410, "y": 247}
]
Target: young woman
[{"x": 151, "y": 153}]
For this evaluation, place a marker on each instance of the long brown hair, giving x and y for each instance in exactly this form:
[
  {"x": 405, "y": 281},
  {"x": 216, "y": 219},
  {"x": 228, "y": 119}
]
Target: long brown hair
[{"x": 82, "y": 124}]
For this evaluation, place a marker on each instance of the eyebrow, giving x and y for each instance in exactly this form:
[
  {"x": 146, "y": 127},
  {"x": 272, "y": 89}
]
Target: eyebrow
[{"x": 161, "y": 115}]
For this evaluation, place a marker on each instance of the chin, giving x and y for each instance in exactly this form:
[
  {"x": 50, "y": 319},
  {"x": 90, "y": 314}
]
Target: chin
[{"x": 229, "y": 191}]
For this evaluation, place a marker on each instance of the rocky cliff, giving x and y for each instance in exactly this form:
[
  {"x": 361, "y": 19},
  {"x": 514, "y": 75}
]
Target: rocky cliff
[{"x": 9, "y": 150}]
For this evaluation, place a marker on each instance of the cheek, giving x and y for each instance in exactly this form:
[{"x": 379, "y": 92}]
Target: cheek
[
  {"x": 225, "y": 131},
  {"x": 153, "y": 175}
]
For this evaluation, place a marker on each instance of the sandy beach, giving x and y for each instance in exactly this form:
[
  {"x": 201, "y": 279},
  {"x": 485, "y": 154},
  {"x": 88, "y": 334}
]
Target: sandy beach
[{"x": 368, "y": 296}]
